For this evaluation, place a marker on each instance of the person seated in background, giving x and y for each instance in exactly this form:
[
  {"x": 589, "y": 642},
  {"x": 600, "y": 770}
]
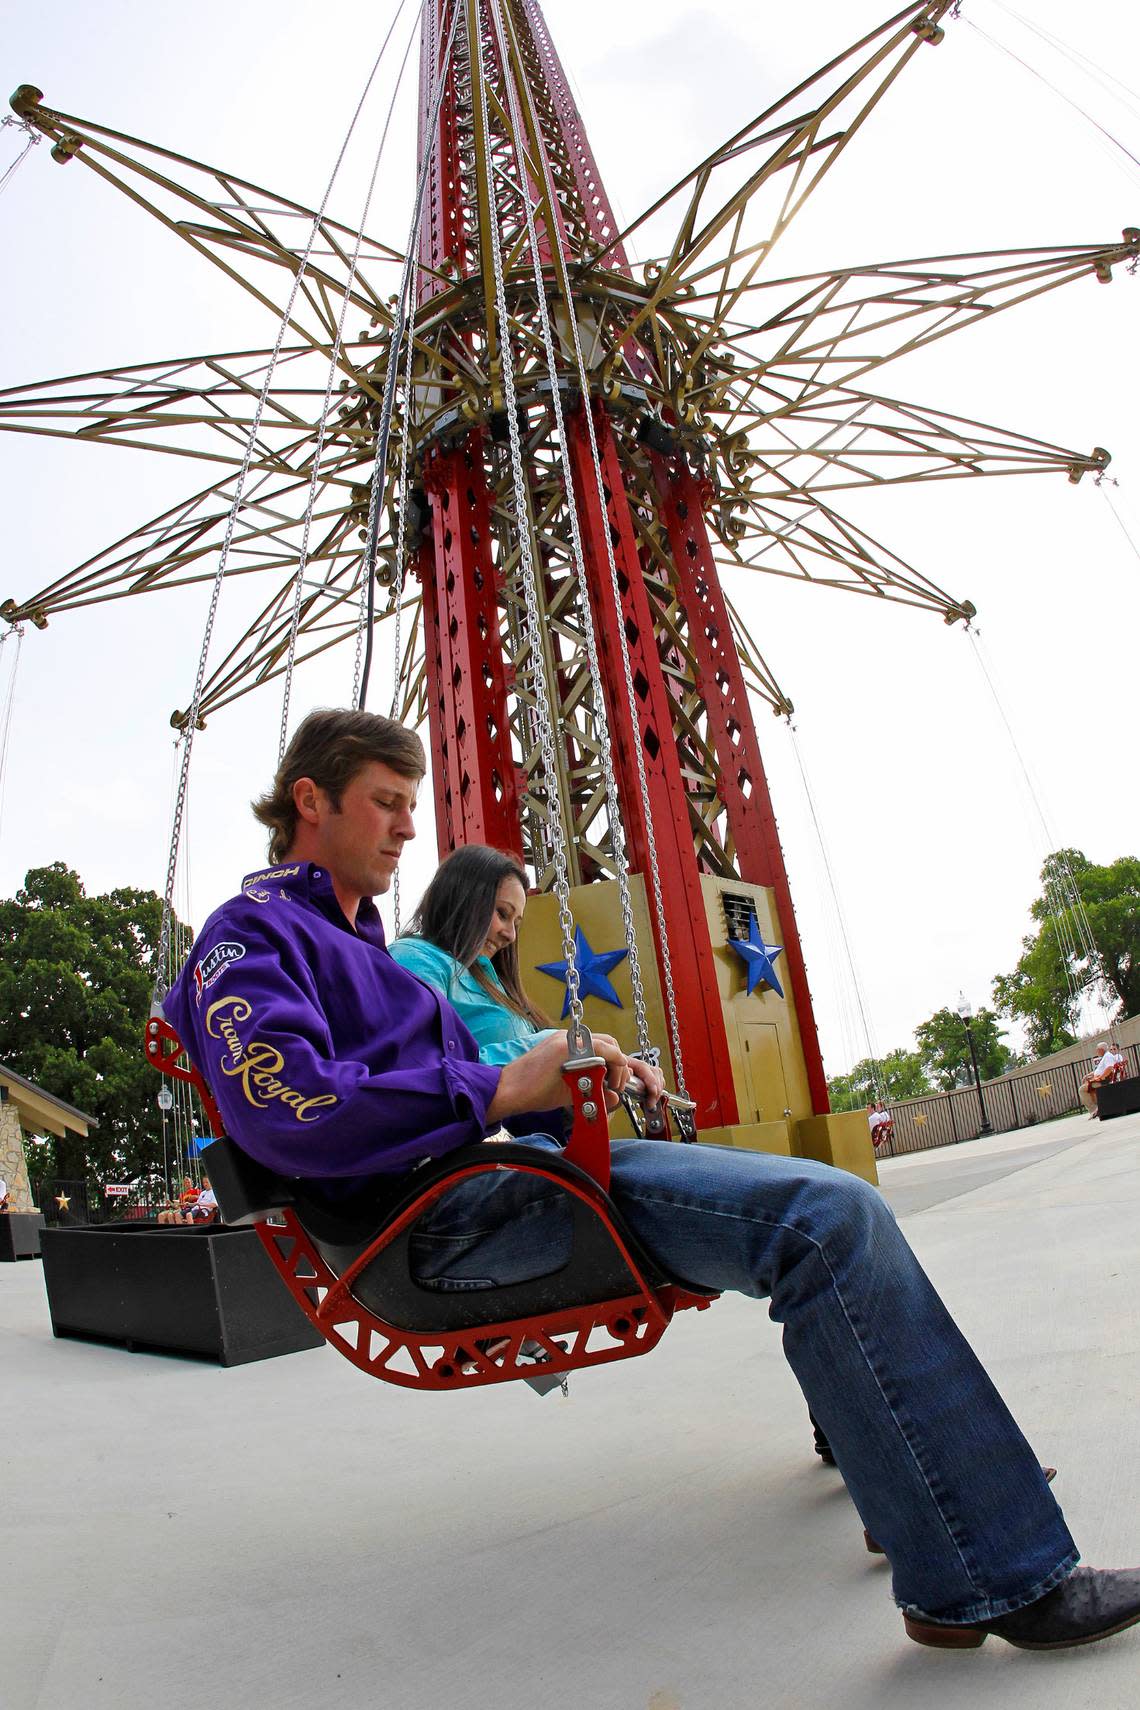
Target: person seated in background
[
  {"x": 1106, "y": 1061},
  {"x": 4, "y": 1199},
  {"x": 205, "y": 1208},
  {"x": 882, "y": 1125},
  {"x": 184, "y": 1210}
]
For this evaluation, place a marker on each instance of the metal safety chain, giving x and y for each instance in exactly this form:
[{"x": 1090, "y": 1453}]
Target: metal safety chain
[
  {"x": 605, "y": 751},
  {"x": 595, "y": 671},
  {"x": 187, "y": 735},
  {"x": 529, "y": 582},
  {"x": 363, "y": 666},
  {"x": 402, "y": 501},
  {"x": 33, "y": 137},
  {"x": 16, "y": 633},
  {"x": 334, "y": 364},
  {"x": 401, "y": 540}
]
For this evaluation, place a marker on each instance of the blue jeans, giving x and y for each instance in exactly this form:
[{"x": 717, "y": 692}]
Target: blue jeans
[{"x": 934, "y": 1462}]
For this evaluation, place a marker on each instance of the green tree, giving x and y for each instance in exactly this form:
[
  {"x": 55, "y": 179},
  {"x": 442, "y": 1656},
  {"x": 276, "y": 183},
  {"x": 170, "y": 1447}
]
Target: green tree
[
  {"x": 1055, "y": 969},
  {"x": 76, "y": 974},
  {"x": 899, "y": 1075},
  {"x": 945, "y": 1049}
]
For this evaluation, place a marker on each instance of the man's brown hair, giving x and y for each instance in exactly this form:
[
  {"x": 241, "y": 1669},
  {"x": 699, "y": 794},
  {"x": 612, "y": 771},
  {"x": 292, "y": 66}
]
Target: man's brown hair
[{"x": 330, "y": 747}]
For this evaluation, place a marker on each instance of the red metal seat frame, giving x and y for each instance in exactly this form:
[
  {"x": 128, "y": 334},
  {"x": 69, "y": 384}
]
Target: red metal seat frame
[{"x": 562, "y": 1337}]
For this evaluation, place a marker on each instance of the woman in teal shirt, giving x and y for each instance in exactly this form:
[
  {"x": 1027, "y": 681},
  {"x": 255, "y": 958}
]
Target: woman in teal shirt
[{"x": 463, "y": 938}]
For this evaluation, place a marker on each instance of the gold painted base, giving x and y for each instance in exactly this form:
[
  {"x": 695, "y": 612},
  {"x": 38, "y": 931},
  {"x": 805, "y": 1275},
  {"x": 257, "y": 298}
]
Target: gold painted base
[
  {"x": 842, "y": 1139},
  {"x": 752, "y": 1137}
]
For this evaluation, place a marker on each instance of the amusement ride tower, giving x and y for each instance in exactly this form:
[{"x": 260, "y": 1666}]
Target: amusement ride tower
[{"x": 554, "y": 449}]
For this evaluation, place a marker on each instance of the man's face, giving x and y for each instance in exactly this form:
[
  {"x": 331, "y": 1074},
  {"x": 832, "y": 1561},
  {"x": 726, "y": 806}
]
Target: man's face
[{"x": 361, "y": 843}]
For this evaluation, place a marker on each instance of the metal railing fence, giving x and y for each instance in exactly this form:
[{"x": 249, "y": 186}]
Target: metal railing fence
[{"x": 1017, "y": 1100}]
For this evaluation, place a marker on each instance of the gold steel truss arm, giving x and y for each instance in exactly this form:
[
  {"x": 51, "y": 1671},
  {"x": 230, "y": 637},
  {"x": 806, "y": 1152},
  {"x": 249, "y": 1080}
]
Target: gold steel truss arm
[
  {"x": 758, "y": 676},
  {"x": 180, "y": 546},
  {"x": 840, "y": 325},
  {"x": 181, "y": 406},
  {"x": 853, "y": 439},
  {"x": 794, "y": 136},
  {"x": 224, "y": 218},
  {"x": 329, "y": 618},
  {"x": 802, "y": 538}
]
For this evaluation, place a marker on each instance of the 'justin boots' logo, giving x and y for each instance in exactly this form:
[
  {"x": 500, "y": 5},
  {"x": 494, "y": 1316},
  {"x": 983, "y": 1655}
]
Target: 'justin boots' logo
[
  {"x": 214, "y": 964},
  {"x": 256, "y": 1066}
]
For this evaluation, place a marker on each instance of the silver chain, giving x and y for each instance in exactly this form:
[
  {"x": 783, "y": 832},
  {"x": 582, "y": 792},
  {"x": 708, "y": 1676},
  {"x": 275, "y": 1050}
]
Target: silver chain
[
  {"x": 334, "y": 363},
  {"x": 376, "y": 488},
  {"x": 605, "y": 752},
  {"x": 192, "y": 717},
  {"x": 529, "y": 582},
  {"x": 33, "y": 138},
  {"x": 402, "y": 517},
  {"x": 617, "y": 832}
]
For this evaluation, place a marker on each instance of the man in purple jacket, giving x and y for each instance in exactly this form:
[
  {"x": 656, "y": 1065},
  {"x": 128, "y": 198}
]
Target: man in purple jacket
[{"x": 331, "y": 1062}]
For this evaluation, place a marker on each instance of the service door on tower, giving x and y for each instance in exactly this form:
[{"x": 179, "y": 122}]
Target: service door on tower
[{"x": 765, "y": 1068}]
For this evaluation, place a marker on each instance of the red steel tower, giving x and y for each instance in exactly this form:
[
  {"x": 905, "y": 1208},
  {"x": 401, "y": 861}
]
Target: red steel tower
[{"x": 600, "y": 435}]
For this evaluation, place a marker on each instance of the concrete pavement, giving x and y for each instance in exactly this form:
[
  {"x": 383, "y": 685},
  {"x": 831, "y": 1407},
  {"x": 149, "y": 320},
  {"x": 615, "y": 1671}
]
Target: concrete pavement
[{"x": 292, "y": 1534}]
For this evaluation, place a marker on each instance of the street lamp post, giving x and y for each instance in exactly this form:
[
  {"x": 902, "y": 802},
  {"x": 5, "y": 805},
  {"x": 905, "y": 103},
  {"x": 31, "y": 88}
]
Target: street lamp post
[{"x": 965, "y": 1011}]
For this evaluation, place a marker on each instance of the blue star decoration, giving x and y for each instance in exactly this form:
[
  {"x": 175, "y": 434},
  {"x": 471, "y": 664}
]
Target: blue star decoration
[
  {"x": 758, "y": 958},
  {"x": 593, "y": 967}
]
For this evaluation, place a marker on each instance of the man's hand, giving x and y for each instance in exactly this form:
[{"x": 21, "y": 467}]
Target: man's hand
[{"x": 534, "y": 1081}]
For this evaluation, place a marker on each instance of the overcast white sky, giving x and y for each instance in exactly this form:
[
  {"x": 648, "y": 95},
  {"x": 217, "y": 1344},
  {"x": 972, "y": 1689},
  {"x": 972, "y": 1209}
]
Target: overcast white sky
[{"x": 935, "y": 848}]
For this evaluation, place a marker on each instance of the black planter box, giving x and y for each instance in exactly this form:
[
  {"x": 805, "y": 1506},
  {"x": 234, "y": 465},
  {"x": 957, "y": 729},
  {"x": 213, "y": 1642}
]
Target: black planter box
[
  {"x": 208, "y": 1291},
  {"x": 20, "y": 1235},
  {"x": 1118, "y": 1098}
]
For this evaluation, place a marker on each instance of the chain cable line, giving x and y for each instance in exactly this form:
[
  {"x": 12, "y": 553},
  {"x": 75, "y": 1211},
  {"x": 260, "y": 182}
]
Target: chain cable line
[
  {"x": 613, "y": 806},
  {"x": 17, "y": 631},
  {"x": 577, "y": 1031},
  {"x": 1114, "y": 142},
  {"x": 1104, "y": 485},
  {"x": 192, "y": 717},
  {"x": 605, "y": 749},
  {"x": 32, "y": 138},
  {"x": 366, "y": 621},
  {"x": 1067, "y": 910},
  {"x": 1081, "y": 61},
  {"x": 402, "y": 512},
  {"x": 845, "y": 937},
  {"x": 401, "y": 548},
  {"x": 333, "y": 367}
]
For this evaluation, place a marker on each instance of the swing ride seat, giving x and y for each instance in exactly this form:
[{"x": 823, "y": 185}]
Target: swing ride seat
[
  {"x": 349, "y": 1266},
  {"x": 1118, "y": 1093}
]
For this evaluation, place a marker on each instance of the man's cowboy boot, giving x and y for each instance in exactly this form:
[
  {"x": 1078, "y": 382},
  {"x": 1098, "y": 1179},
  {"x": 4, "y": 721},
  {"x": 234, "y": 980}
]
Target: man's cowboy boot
[{"x": 1091, "y": 1604}]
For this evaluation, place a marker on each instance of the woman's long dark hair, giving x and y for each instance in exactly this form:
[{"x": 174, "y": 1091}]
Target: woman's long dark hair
[{"x": 456, "y": 911}]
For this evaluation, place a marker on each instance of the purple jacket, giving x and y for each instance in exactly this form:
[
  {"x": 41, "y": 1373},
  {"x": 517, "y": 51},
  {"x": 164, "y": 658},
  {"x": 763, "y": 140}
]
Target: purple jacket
[{"x": 327, "y": 1058}]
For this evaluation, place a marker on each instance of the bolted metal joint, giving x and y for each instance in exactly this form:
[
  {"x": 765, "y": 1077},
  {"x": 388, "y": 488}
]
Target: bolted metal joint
[
  {"x": 25, "y": 99},
  {"x": 66, "y": 148}
]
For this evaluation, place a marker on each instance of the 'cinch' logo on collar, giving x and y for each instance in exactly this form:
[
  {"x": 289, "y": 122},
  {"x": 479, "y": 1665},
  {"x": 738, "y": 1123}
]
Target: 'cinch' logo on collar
[{"x": 273, "y": 873}]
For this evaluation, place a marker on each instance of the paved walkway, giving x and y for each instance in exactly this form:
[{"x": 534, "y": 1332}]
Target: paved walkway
[{"x": 290, "y": 1534}]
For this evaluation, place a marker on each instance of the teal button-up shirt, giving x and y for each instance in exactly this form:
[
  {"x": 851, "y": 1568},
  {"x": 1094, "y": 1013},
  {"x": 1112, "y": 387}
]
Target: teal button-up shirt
[{"x": 500, "y": 1033}]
